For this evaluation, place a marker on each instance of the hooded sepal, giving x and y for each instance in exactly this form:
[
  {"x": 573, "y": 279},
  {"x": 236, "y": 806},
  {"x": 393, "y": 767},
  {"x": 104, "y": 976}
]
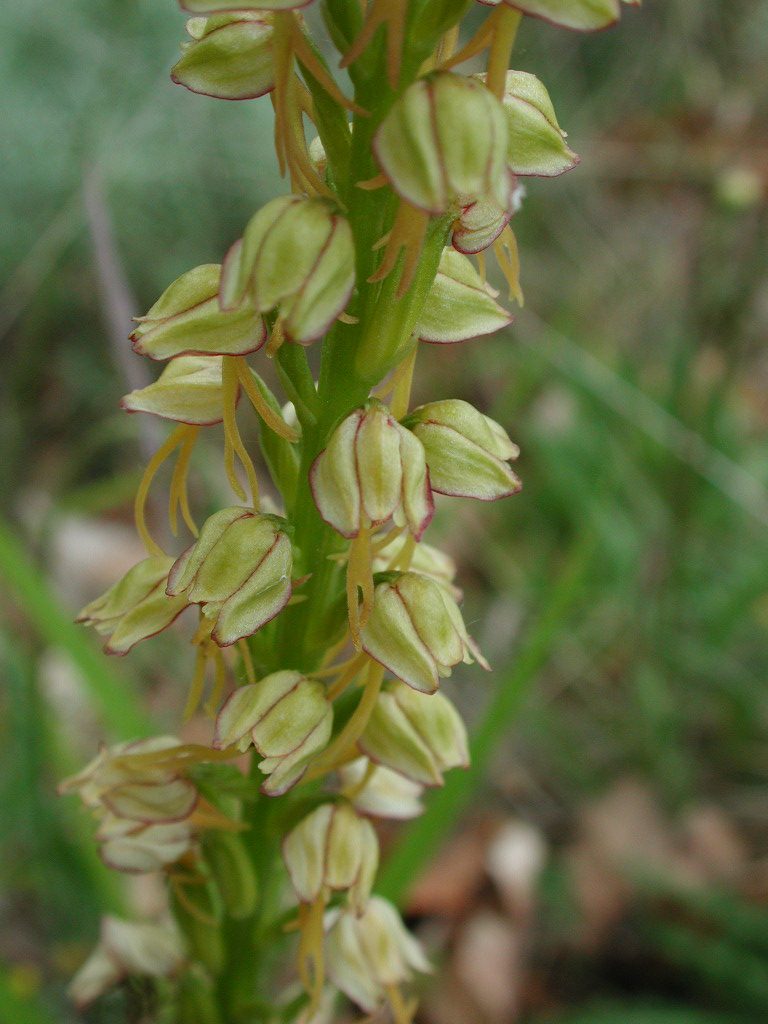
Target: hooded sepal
[
  {"x": 416, "y": 734},
  {"x": 189, "y": 390},
  {"x": 332, "y": 849},
  {"x": 136, "y": 607},
  {"x": 371, "y": 472},
  {"x": 460, "y": 304},
  {"x": 296, "y": 258},
  {"x": 467, "y": 453},
  {"x": 188, "y": 320},
  {"x": 230, "y": 57}
]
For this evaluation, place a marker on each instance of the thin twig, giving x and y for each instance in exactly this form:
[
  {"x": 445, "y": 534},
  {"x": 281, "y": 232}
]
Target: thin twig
[{"x": 118, "y": 305}]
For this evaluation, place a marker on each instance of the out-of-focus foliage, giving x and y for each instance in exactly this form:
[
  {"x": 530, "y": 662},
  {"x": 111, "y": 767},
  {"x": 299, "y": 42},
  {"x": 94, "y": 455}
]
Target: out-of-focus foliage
[{"x": 634, "y": 383}]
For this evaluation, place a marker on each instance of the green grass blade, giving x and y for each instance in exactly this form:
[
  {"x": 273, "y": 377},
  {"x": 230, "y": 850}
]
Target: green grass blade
[
  {"x": 423, "y": 838},
  {"x": 20, "y": 1009},
  {"x": 107, "y": 685}
]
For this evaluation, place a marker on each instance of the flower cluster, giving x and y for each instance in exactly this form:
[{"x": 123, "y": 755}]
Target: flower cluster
[
  {"x": 148, "y": 809},
  {"x": 327, "y": 621}
]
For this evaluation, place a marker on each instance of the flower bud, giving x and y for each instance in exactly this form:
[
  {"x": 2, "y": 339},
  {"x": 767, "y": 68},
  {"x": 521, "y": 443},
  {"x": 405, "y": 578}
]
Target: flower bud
[
  {"x": 380, "y": 792},
  {"x": 536, "y": 141},
  {"x": 444, "y": 143},
  {"x": 370, "y": 472},
  {"x": 189, "y": 390},
  {"x": 481, "y": 222},
  {"x": 332, "y": 850},
  {"x": 427, "y": 560},
  {"x": 460, "y": 305},
  {"x": 370, "y": 954},
  {"x": 287, "y": 718},
  {"x": 118, "y": 765},
  {"x": 140, "y": 849},
  {"x": 230, "y": 57},
  {"x": 143, "y": 802},
  {"x": 126, "y": 948},
  {"x": 136, "y": 607},
  {"x": 581, "y": 15},
  {"x": 416, "y": 631},
  {"x": 238, "y": 570},
  {"x": 419, "y": 735},
  {"x": 467, "y": 452},
  {"x": 296, "y": 257},
  {"x": 188, "y": 320}
]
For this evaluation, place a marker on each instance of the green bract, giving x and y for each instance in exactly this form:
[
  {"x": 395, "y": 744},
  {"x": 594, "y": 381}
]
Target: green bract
[
  {"x": 460, "y": 305},
  {"x": 230, "y": 58},
  {"x": 467, "y": 452},
  {"x": 188, "y": 391},
  {"x": 536, "y": 141},
  {"x": 239, "y": 571},
  {"x": 188, "y": 320},
  {"x": 136, "y": 607},
  {"x": 444, "y": 144},
  {"x": 296, "y": 258}
]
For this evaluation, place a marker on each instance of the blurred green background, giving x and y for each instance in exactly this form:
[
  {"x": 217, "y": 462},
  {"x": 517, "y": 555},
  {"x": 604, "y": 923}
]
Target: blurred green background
[{"x": 622, "y": 597}]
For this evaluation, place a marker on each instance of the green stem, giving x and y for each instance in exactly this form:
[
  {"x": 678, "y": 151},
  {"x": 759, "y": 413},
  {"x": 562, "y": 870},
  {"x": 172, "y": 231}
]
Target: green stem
[{"x": 250, "y": 948}]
